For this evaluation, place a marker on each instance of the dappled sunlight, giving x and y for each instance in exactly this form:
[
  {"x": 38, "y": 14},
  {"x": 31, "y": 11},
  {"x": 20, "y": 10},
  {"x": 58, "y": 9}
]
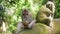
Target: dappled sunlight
[
  {"x": 12, "y": 15},
  {"x": 10, "y": 11}
]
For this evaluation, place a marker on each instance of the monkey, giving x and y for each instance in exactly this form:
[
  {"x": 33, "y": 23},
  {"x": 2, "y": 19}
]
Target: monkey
[
  {"x": 2, "y": 20},
  {"x": 51, "y": 6},
  {"x": 43, "y": 15},
  {"x": 27, "y": 21}
]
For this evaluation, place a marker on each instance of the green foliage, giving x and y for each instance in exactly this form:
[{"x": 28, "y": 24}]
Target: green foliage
[
  {"x": 57, "y": 8},
  {"x": 14, "y": 8}
]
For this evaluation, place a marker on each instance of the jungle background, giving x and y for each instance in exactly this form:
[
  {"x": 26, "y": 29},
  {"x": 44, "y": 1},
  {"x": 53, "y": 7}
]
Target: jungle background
[{"x": 13, "y": 9}]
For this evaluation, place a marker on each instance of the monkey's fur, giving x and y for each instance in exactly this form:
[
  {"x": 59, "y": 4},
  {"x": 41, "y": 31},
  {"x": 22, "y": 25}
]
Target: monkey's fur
[{"x": 43, "y": 15}]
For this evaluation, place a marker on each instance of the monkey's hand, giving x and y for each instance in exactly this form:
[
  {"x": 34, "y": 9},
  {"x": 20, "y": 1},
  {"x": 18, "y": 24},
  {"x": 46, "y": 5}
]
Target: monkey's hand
[
  {"x": 25, "y": 23},
  {"x": 49, "y": 13},
  {"x": 32, "y": 24}
]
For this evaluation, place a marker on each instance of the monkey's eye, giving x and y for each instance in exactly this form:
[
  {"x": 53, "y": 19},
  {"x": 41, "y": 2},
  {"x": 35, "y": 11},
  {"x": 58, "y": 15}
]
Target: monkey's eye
[
  {"x": 48, "y": 5},
  {"x": 23, "y": 14},
  {"x": 27, "y": 14}
]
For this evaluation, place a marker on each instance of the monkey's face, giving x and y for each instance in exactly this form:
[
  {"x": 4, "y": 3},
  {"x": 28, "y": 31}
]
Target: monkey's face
[
  {"x": 24, "y": 17},
  {"x": 25, "y": 13},
  {"x": 49, "y": 6}
]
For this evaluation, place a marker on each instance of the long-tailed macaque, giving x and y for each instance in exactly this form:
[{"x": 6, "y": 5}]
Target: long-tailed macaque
[
  {"x": 46, "y": 12},
  {"x": 27, "y": 21},
  {"x": 44, "y": 16},
  {"x": 50, "y": 5},
  {"x": 2, "y": 20}
]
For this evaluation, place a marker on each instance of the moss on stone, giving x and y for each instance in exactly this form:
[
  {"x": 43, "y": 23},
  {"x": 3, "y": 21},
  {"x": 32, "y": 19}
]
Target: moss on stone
[{"x": 37, "y": 29}]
